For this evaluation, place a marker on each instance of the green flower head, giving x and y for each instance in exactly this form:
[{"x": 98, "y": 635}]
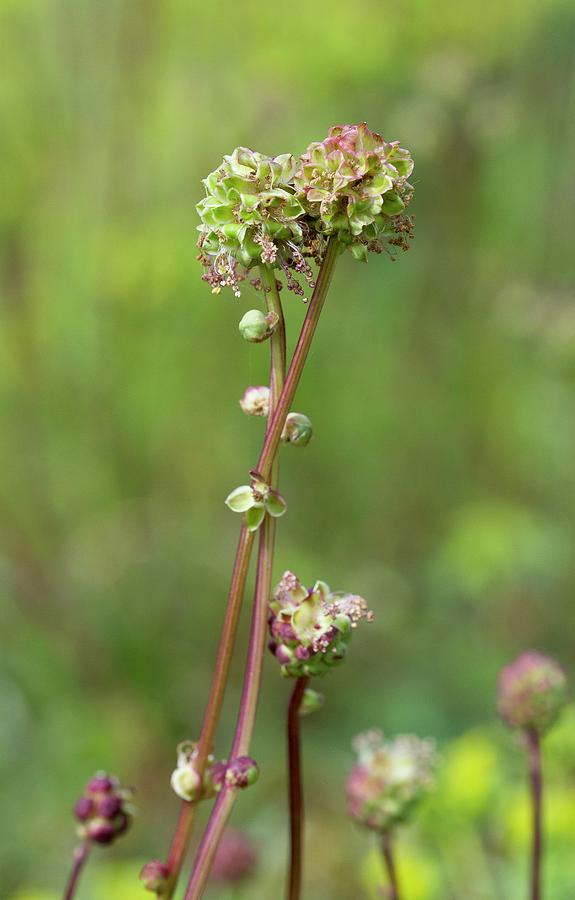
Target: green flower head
[
  {"x": 250, "y": 215},
  {"x": 354, "y": 184}
]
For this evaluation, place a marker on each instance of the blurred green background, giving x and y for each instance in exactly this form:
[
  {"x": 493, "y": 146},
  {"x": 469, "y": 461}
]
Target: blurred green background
[{"x": 441, "y": 480}]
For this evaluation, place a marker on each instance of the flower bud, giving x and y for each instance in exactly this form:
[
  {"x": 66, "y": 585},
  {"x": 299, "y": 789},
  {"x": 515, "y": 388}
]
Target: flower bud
[
  {"x": 255, "y": 326},
  {"x": 531, "y": 692},
  {"x": 390, "y": 779},
  {"x": 242, "y": 772},
  {"x": 154, "y": 876},
  {"x": 297, "y": 430},
  {"x": 311, "y": 702},
  {"x": 255, "y": 401},
  {"x": 104, "y": 810},
  {"x": 185, "y": 780},
  {"x": 235, "y": 859}
]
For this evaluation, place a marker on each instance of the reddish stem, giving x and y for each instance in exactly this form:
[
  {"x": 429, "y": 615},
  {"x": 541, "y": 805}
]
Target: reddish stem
[
  {"x": 389, "y": 860},
  {"x": 536, "y": 784},
  {"x": 296, "y": 808},
  {"x": 81, "y": 854}
]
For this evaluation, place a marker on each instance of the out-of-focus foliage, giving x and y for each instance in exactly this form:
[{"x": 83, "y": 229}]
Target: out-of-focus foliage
[{"x": 440, "y": 482}]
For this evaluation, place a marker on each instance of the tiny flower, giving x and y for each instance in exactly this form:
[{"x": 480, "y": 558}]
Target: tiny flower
[
  {"x": 297, "y": 430},
  {"x": 255, "y": 401},
  {"x": 255, "y": 326},
  {"x": 310, "y": 629},
  {"x": 104, "y": 810},
  {"x": 311, "y": 702},
  {"x": 255, "y": 500},
  {"x": 185, "y": 779},
  {"x": 390, "y": 778},
  {"x": 241, "y": 772},
  {"x": 235, "y": 859},
  {"x": 354, "y": 184},
  {"x": 154, "y": 876},
  {"x": 531, "y": 692}
]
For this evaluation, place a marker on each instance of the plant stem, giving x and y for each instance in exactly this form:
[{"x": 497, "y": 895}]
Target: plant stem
[
  {"x": 299, "y": 358},
  {"x": 183, "y": 831},
  {"x": 296, "y": 810},
  {"x": 536, "y": 784},
  {"x": 388, "y": 858},
  {"x": 81, "y": 854},
  {"x": 268, "y": 454}
]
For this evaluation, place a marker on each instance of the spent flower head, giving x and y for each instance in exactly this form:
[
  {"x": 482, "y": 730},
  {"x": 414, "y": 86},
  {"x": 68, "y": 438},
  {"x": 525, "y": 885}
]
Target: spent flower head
[
  {"x": 531, "y": 692},
  {"x": 104, "y": 810},
  {"x": 255, "y": 400},
  {"x": 310, "y": 629},
  {"x": 389, "y": 779},
  {"x": 354, "y": 184}
]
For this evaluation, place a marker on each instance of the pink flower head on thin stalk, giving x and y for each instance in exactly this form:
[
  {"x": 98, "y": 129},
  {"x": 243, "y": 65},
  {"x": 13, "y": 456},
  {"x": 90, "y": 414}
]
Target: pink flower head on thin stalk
[
  {"x": 104, "y": 810},
  {"x": 354, "y": 184},
  {"x": 531, "y": 692},
  {"x": 389, "y": 779},
  {"x": 235, "y": 859}
]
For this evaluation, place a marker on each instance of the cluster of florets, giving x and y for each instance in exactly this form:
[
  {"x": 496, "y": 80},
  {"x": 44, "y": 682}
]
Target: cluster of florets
[
  {"x": 235, "y": 859},
  {"x": 250, "y": 215},
  {"x": 278, "y": 212},
  {"x": 389, "y": 779},
  {"x": 354, "y": 184},
  {"x": 531, "y": 692},
  {"x": 310, "y": 629},
  {"x": 188, "y": 784},
  {"x": 103, "y": 811},
  {"x": 255, "y": 500}
]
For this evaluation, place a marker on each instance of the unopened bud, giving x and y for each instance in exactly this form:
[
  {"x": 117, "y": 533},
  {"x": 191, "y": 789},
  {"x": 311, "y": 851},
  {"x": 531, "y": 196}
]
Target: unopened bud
[
  {"x": 186, "y": 782},
  {"x": 101, "y": 831},
  {"x": 255, "y": 326},
  {"x": 242, "y": 772},
  {"x": 256, "y": 401},
  {"x": 531, "y": 692},
  {"x": 311, "y": 702},
  {"x": 297, "y": 430},
  {"x": 154, "y": 876}
]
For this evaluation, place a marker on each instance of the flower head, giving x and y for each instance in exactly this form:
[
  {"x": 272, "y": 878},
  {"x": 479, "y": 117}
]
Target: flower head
[
  {"x": 531, "y": 692},
  {"x": 310, "y": 629},
  {"x": 389, "y": 779},
  {"x": 104, "y": 810},
  {"x": 250, "y": 215},
  {"x": 255, "y": 401},
  {"x": 354, "y": 184}
]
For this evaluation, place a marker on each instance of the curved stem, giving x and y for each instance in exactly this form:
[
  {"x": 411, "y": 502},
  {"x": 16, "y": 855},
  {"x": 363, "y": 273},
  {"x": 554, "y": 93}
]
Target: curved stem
[
  {"x": 80, "y": 857},
  {"x": 296, "y": 809},
  {"x": 536, "y": 784},
  {"x": 388, "y": 857}
]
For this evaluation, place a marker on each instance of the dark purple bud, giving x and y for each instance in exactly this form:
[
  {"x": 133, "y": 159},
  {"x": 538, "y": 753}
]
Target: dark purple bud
[
  {"x": 218, "y": 774},
  {"x": 100, "y": 784},
  {"x": 83, "y": 809},
  {"x": 154, "y": 876},
  {"x": 109, "y": 806},
  {"x": 302, "y": 653},
  {"x": 101, "y": 832},
  {"x": 283, "y": 655}
]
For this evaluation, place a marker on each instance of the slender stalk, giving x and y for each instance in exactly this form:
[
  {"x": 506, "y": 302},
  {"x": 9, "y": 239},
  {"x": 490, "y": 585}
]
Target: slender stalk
[
  {"x": 183, "y": 831},
  {"x": 81, "y": 854},
  {"x": 258, "y": 629},
  {"x": 266, "y": 460},
  {"x": 536, "y": 785},
  {"x": 299, "y": 358},
  {"x": 389, "y": 860},
  {"x": 296, "y": 809}
]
